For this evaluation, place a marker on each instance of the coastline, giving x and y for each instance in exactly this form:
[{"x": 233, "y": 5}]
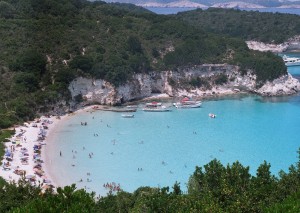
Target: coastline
[
  {"x": 31, "y": 134},
  {"x": 23, "y": 153},
  {"x": 28, "y": 157}
]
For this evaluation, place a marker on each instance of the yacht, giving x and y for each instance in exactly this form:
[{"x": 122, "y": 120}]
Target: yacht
[
  {"x": 187, "y": 103},
  {"x": 291, "y": 61}
]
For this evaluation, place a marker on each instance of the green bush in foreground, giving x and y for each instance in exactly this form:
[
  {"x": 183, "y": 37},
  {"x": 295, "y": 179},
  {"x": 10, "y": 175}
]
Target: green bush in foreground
[{"x": 213, "y": 188}]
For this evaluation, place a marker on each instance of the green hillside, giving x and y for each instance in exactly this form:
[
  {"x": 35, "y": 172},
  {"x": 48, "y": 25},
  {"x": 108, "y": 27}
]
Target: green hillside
[
  {"x": 47, "y": 43},
  {"x": 247, "y": 25}
]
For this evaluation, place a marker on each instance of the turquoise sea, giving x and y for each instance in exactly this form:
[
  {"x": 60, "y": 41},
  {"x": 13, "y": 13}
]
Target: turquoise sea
[{"x": 168, "y": 145}]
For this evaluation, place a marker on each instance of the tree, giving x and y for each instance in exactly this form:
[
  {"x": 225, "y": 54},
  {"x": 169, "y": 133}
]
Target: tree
[
  {"x": 134, "y": 45},
  {"x": 30, "y": 61},
  {"x": 176, "y": 189}
]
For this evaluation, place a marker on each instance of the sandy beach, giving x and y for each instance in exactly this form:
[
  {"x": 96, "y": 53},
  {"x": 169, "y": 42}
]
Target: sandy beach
[{"x": 23, "y": 154}]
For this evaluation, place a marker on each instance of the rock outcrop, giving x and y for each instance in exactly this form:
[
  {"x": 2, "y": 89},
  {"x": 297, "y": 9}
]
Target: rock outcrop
[
  {"x": 291, "y": 44},
  {"x": 285, "y": 85},
  {"x": 197, "y": 81}
]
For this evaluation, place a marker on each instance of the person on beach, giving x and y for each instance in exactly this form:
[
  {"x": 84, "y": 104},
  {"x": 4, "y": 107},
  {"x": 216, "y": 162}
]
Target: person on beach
[{"x": 60, "y": 153}]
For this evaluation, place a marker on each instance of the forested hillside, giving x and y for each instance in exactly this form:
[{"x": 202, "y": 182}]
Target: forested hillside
[
  {"x": 46, "y": 44},
  {"x": 247, "y": 25}
]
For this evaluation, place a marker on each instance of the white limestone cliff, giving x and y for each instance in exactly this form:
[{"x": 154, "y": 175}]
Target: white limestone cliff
[
  {"x": 292, "y": 43},
  {"x": 174, "y": 83}
]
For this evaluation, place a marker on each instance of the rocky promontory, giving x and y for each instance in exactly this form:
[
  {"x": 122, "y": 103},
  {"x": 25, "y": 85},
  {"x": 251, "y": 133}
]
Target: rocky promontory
[
  {"x": 293, "y": 44},
  {"x": 197, "y": 81}
]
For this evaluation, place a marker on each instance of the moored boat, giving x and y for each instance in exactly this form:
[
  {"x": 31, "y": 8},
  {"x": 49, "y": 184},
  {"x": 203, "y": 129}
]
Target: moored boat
[
  {"x": 291, "y": 61},
  {"x": 187, "y": 103},
  {"x": 155, "y": 107},
  {"x": 128, "y": 115}
]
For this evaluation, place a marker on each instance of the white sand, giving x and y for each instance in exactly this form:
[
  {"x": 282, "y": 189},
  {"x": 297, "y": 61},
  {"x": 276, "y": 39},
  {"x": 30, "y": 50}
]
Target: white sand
[{"x": 28, "y": 139}]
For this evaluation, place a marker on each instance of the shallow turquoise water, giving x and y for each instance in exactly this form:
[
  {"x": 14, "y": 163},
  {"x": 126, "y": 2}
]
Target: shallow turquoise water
[{"x": 168, "y": 145}]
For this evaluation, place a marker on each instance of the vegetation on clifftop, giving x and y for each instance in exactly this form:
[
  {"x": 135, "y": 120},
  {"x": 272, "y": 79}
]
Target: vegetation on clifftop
[{"x": 46, "y": 44}]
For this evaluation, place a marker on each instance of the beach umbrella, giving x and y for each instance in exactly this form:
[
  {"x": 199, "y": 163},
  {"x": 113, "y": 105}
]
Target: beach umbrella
[
  {"x": 7, "y": 153},
  {"x": 24, "y": 158},
  {"x": 47, "y": 181},
  {"x": 29, "y": 176}
]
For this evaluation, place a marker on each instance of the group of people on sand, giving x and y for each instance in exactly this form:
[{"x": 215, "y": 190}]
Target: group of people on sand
[
  {"x": 112, "y": 187},
  {"x": 18, "y": 146},
  {"x": 83, "y": 123}
]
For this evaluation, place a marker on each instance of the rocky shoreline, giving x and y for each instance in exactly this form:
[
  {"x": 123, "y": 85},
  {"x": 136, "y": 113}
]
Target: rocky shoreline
[{"x": 178, "y": 83}]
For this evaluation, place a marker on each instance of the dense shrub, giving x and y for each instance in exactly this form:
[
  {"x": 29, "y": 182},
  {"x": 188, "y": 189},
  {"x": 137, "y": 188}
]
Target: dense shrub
[{"x": 211, "y": 188}]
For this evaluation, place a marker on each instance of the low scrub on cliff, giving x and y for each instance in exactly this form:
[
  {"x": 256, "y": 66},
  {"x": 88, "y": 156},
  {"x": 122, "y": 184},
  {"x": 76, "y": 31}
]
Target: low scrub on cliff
[{"x": 46, "y": 44}]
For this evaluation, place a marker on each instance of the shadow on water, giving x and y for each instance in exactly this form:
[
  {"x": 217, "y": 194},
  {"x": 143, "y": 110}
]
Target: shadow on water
[
  {"x": 281, "y": 99},
  {"x": 236, "y": 97}
]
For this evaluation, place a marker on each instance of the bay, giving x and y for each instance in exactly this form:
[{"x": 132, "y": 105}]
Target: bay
[{"x": 157, "y": 149}]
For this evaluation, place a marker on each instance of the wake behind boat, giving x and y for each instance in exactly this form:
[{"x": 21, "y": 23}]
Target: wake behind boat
[
  {"x": 155, "y": 107},
  {"x": 291, "y": 61},
  {"x": 187, "y": 103}
]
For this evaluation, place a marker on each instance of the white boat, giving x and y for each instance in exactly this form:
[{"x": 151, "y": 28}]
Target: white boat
[
  {"x": 187, "y": 103},
  {"x": 291, "y": 61},
  {"x": 212, "y": 115},
  {"x": 128, "y": 115},
  {"x": 132, "y": 106},
  {"x": 155, "y": 107}
]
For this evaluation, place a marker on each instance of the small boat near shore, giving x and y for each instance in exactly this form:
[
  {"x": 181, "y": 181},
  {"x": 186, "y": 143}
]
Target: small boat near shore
[
  {"x": 187, "y": 103},
  {"x": 132, "y": 106},
  {"x": 155, "y": 107},
  {"x": 291, "y": 61},
  {"x": 127, "y": 115}
]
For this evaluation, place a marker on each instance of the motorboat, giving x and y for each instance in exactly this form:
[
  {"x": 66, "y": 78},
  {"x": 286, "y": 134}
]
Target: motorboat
[
  {"x": 155, "y": 107},
  {"x": 128, "y": 115},
  {"x": 291, "y": 61},
  {"x": 211, "y": 115},
  {"x": 187, "y": 103}
]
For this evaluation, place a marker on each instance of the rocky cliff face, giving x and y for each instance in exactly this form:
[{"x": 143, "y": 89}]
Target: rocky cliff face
[
  {"x": 290, "y": 45},
  {"x": 196, "y": 81}
]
